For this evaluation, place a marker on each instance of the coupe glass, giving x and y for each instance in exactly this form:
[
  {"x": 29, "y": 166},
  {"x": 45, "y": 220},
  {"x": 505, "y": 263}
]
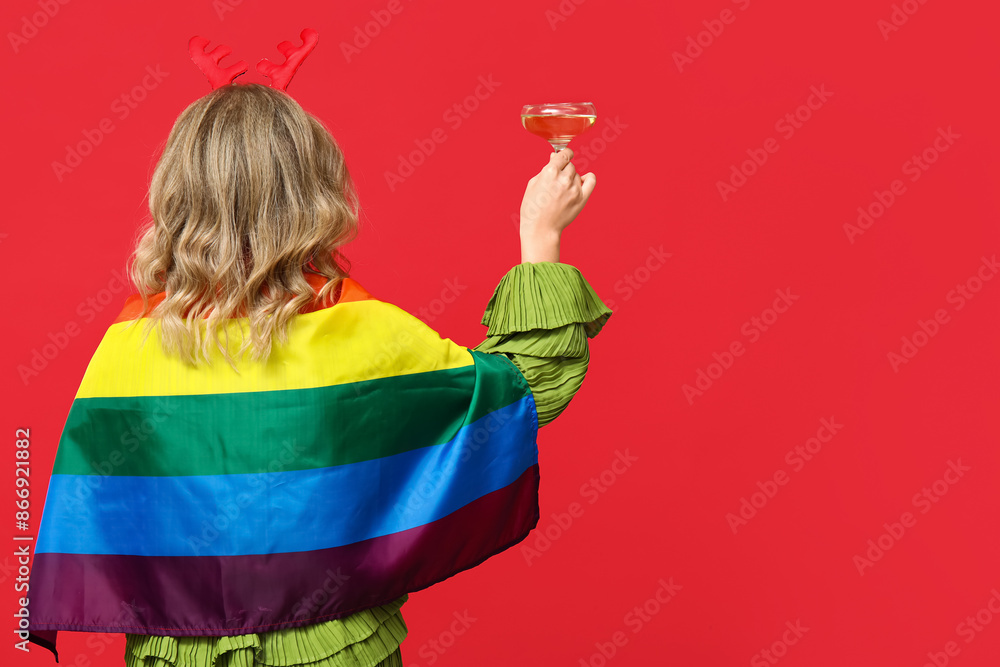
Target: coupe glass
[{"x": 558, "y": 123}]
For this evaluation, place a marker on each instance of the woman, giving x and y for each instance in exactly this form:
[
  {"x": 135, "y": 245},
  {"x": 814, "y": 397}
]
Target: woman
[{"x": 251, "y": 418}]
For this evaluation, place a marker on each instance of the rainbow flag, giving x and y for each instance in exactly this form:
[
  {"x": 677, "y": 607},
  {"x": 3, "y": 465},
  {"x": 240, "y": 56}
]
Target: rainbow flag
[{"x": 368, "y": 458}]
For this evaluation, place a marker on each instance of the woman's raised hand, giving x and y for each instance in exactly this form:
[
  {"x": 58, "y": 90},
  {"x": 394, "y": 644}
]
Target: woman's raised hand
[{"x": 552, "y": 200}]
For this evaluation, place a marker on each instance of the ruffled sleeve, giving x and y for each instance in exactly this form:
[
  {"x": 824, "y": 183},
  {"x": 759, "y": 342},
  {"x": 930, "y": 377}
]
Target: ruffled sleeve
[
  {"x": 363, "y": 639},
  {"x": 540, "y": 317}
]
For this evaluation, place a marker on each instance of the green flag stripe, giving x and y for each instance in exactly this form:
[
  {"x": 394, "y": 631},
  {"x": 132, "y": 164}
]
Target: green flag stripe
[{"x": 276, "y": 431}]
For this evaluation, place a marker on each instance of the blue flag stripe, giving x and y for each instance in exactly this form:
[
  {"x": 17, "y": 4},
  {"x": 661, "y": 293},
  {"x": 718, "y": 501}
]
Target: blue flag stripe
[{"x": 290, "y": 511}]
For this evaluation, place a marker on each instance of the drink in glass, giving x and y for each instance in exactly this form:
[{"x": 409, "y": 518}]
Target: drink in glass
[{"x": 558, "y": 123}]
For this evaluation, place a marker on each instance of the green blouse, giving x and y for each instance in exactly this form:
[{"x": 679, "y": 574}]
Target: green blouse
[{"x": 539, "y": 317}]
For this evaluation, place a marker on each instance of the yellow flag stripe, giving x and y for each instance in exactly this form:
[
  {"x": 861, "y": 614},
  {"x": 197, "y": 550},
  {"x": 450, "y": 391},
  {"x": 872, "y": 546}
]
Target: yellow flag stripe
[{"x": 347, "y": 342}]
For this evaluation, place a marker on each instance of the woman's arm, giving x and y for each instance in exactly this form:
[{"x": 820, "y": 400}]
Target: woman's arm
[
  {"x": 543, "y": 312},
  {"x": 541, "y": 317}
]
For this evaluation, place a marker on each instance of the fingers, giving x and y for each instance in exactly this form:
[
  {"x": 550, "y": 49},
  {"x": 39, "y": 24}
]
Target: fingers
[
  {"x": 554, "y": 164},
  {"x": 561, "y": 158},
  {"x": 569, "y": 173},
  {"x": 589, "y": 183},
  {"x": 557, "y": 162}
]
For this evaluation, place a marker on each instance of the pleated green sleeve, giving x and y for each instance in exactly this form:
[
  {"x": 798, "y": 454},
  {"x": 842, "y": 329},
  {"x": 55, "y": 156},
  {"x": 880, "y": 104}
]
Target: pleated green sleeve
[
  {"x": 369, "y": 638},
  {"x": 540, "y": 317}
]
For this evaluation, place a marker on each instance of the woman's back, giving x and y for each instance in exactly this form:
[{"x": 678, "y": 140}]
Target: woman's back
[{"x": 264, "y": 455}]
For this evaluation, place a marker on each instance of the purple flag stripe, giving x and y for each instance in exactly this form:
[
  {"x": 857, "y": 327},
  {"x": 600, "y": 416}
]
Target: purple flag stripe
[{"x": 311, "y": 586}]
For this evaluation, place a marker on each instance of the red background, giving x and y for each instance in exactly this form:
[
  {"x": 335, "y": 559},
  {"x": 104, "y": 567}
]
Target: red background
[{"x": 664, "y": 139}]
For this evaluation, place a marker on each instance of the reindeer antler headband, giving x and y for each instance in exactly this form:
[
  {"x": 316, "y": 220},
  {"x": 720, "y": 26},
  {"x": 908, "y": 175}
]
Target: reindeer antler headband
[{"x": 280, "y": 75}]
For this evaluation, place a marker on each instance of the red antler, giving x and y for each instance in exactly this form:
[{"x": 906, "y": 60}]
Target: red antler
[
  {"x": 281, "y": 75},
  {"x": 208, "y": 62}
]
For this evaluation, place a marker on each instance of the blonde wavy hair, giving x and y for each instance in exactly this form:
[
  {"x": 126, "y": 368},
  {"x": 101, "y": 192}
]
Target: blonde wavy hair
[{"x": 249, "y": 191}]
